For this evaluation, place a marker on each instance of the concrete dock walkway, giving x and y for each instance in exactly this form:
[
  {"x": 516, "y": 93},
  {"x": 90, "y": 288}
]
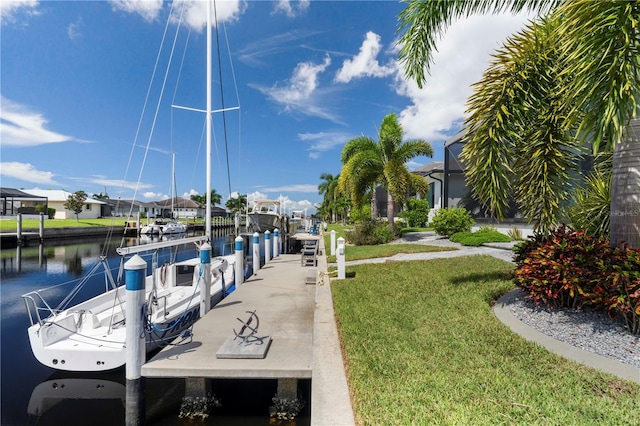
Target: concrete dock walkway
[{"x": 300, "y": 320}]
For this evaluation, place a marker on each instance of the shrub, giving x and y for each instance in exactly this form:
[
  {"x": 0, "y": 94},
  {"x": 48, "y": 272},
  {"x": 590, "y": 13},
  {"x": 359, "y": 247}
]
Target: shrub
[
  {"x": 478, "y": 238},
  {"x": 571, "y": 269},
  {"x": 451, "y": 220},
  {"x": 560, "y": 269},
  {"x": 417, "y": 213},
  {"x": 590, "y": 211},
  {"x": 369, "y": 232},
  {"x": 51, "y": 213},
  {"x": 624, "y": 291}
]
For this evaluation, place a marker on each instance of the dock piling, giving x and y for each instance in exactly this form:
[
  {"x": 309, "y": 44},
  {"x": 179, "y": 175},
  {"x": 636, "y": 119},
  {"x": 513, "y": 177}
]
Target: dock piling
[
  {"x": 267, "y": 247},
  {"x": 135, "y": 270},
  {"x": 239, "y": 272},
  {"x": 205, "y": 280},
  {"x": 256, "y": 253}
]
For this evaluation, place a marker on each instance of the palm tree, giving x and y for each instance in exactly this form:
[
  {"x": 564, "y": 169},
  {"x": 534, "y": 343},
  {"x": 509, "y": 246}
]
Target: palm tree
[
  {"x": 202, "y": 199},
  {"x": 329, "y": 188},
  {"x": 591, "y": 49},
  {"x": 238, "y": 203},
  {"x": 367, "y": 163}
]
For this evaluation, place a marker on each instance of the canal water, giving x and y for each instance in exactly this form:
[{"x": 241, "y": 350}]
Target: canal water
[{"x": 34, "y": 394}]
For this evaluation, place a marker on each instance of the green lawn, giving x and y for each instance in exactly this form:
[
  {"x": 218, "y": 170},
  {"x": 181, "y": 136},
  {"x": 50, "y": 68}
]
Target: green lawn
[
  {"x": 369, "y": 252},
  {"x": 422, "y": 347},
  {"x": 10, "y": 224}
]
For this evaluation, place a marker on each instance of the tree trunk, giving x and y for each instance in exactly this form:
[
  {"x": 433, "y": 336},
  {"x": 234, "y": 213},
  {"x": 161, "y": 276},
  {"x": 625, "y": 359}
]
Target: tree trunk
[
  {"x": 374, "y": 204},
  {"x": 625, "y": 189},
  {"x": 391, "y": 212}
]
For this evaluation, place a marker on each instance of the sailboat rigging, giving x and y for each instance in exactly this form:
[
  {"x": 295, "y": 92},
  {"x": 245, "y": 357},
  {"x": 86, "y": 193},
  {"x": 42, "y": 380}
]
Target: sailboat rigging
[{"x": 90, "y": 335}]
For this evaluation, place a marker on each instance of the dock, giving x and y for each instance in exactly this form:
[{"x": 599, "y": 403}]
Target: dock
[{"x": 298, "y": 318}]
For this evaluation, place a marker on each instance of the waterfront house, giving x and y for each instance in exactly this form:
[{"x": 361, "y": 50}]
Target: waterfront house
[{"x": 56, "y": 199}]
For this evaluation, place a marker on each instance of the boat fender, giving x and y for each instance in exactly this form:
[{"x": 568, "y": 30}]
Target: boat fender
[{"x": 163, "y": 274}]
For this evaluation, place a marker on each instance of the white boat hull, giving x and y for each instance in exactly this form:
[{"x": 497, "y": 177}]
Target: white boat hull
[{"x": 91, "y": 335}]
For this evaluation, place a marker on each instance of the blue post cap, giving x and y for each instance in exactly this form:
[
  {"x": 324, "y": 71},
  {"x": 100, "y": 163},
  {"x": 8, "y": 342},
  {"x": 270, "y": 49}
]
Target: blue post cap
[
  {"x": 134, "y": 276},
  {"x": 205, "y": 253},
  {"x": 267, "y": 235},
  {"x": 276, "y": 232},
  {"x": 238, "y": 243},
  {"x": 256, "y": 238}
]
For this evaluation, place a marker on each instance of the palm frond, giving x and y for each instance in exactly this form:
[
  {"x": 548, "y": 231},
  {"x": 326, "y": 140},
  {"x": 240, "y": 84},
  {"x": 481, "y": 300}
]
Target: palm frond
[{"x": 422, "y": 22}]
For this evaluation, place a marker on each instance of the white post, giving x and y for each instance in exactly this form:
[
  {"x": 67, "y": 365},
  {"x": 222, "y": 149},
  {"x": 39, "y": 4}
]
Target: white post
[
  {"x": 276, "y": 242},
  {"x": 236, "y": 223},
  {"x": 333, "y": 243},
  {"x": 135, "y": 269},
  {"x": 340, "y": 258},
  {"x": 256, "y": 253},
  {"x": 41, "y": 228},
  {"x": 239, "y": 272},
  {"x": 267, "y": 247},
  {"x": 19, "y": 227},
  {"x": 205, "y": 279}
]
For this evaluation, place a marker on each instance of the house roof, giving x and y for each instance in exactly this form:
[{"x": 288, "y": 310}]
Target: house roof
[
  {"x": 178, "y": 202},
  {"x": 59, "y": 195},
  {"x": 456, "y": 138},
  {"x": 432, "y": 167},
  {"x": 15, "y": 193}
]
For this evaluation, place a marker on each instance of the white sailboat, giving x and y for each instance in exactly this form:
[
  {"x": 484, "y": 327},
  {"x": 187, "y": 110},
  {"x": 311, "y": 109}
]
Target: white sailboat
[{"x": 90, "y": 335}]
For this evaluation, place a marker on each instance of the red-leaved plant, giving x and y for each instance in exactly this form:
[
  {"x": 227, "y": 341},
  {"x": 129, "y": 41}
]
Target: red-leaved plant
[{"x": 571, "y": 269}]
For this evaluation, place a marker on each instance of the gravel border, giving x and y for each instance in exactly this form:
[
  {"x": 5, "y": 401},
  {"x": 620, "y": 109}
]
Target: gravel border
[{"x": 586, "y": 329}]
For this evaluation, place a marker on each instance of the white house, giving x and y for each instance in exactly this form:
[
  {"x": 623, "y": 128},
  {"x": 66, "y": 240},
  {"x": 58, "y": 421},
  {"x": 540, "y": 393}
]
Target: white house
[{"x": 57, "y": 198}]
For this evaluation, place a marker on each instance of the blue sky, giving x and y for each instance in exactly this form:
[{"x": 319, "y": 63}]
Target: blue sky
[{"x": 78, "y": 103}]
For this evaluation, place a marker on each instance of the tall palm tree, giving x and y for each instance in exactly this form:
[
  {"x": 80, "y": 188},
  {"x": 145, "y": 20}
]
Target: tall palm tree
[
  {"x": 593, "y": 48},
  {"x": 367, "y": 163},
  {"x": 329, "y": 189}
]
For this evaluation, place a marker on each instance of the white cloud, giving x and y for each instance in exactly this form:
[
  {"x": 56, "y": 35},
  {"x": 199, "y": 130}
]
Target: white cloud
[
  {"x": 365, "y": 63},
  {"x": 148, "y": 9},
  {"x": 10, "y": 8},
  {"x": 73, "y": 29},
  {"x": 291, "y": 8},
  {"x": 463, "y": 54},
  {"x": 21, "y": 127},
  {"x": 114, "y": 183},
  {"x": 27, "y": 173},
  {"x": 194, "y": 13},
  {"x": 300, "y": 93},
  {"x": 188, "y": 194},
  {"x": 323, "y": 142},
  {"x": 155, "y": 196}
]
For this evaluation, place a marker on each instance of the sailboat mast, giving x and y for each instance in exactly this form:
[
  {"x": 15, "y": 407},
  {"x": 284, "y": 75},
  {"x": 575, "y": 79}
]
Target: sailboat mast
[{"x": 208, "y": 118}]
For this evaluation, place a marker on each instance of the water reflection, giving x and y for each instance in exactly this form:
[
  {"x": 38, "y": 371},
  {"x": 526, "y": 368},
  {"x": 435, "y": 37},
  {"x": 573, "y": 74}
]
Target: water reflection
[{"x": 66, "y": 400}]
